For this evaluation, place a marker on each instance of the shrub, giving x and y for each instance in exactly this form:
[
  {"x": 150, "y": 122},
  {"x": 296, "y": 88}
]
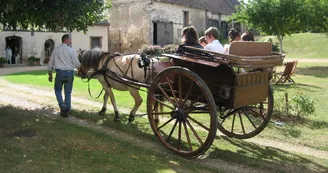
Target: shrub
[
  {"x": 169, "y": 49},
  {"x": 152, "y": 50},
  {"x": 303, "y": 105},
  {"x": 37, "y": 59},
  {"x": 275, "y": 46},
  {"x": 298, "y": 106},
  {"x": 31, "y": 59},
  {"x": 3, "y": 60}
]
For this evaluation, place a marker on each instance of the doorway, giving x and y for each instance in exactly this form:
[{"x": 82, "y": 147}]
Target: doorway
[
  {"x": 15, "y": 44},
  {"x": 163, "y": 33}
]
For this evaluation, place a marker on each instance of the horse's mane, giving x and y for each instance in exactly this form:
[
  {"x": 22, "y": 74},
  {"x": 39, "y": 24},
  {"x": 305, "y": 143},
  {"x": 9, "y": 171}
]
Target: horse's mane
[{"x": 91, "y": 58}]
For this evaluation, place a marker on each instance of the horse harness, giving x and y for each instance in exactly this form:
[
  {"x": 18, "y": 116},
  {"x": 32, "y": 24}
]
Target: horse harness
[{"x": 143, "y": 62}]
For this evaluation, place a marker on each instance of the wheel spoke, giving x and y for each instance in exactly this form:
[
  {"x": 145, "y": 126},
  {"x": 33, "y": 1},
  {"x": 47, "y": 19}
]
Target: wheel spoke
[
  {"x": 165, "y": 94},
  {"x": 259, "y": 114},
  {"x": 172, "y": 108},
  {"x": 241, "y": 122},
  {"x": 188, "y": 92},
  {"x": 179, "y": 136},
  {"x": 194, "y": 101},
  {"x": 187, "y": 135},
  {"x": 161, "y": 113},
  {"x": 194, "y": 132},
  {"x": 233, "y": 122},
  {"x": 172, "y": 91},
  {"x": 200, "y": 124},
  {"x": 246, "y": 114},
  {"x": 165, "y": 124},
  {"x": 204, "y": 112},
  {"x": 180, "y": 90},
  {"x": 172, "y": 130}
]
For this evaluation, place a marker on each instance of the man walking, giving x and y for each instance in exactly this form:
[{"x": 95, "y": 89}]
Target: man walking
[{"x": 63, "y": 59}]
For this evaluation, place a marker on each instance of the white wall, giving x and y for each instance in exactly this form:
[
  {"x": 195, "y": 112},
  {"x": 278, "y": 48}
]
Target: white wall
[
  {"x": 83, "y": 41},
  {"x": 34, "y": 45},
  {"x": 31, "y": 45}
]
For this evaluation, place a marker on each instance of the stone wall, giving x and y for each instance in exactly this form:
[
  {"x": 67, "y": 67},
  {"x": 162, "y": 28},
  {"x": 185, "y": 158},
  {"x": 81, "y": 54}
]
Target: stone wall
[{"x": 132, "y": 22}]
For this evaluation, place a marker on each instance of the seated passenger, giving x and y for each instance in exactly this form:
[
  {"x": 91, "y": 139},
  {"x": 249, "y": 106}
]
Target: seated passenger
[
  {"x": 190, "y": 37},
  {"x": 247, "y": 36},
  {"x": 202, "y": 41},
  {"x": 233, "y": 35},
  {"x": 212, "y": 38}
]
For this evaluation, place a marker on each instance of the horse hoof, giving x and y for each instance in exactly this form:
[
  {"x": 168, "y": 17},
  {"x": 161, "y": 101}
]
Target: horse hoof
[
  {"x": 131, "y": 119},
  {"x": 101, "y": 113},
  {"x": 117, "y": 119}
]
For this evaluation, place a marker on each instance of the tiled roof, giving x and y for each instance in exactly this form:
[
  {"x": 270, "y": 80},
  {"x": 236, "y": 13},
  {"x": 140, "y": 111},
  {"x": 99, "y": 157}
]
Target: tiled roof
[{"x": 219, "y": 6}]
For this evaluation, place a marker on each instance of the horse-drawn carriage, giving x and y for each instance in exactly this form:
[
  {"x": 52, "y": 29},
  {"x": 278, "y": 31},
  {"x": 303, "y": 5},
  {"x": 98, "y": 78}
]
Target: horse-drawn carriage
[{"x": 204, "y": 91}]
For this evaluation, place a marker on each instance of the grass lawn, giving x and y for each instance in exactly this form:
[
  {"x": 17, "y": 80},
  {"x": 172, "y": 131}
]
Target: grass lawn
[
  {"x": 311, "y": 80},
  {"x": 33, "y": 142},
  {"x": 304, "y": 45}
]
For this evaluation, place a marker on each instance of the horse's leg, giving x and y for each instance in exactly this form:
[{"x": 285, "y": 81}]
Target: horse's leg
[
  {"x": 110, "y": 93},
  {"x": 137, "y": 99},
  {"x": 104, "y": 108}
]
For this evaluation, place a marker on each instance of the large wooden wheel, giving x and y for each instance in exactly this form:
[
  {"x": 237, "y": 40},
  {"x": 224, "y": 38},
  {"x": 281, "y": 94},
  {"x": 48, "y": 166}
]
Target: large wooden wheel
[
  {"x": 187, "y": 123},
  {"x": 248, "y": 121}
]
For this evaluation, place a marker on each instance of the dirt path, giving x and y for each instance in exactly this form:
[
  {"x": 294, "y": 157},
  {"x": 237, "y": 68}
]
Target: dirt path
[
  {"x": 36, "y": 98},
  {"x": 309, "y": 60}
]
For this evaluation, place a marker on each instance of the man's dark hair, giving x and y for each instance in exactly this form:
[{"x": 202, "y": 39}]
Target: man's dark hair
[
  {"x": 247, "y": 36},
  {"x": 65, "y": 37},
  {"x": 212, "y": 31}
]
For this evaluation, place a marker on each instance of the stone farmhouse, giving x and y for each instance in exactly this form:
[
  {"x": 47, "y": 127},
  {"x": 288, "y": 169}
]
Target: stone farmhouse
[{"x": 159, "y": 22}]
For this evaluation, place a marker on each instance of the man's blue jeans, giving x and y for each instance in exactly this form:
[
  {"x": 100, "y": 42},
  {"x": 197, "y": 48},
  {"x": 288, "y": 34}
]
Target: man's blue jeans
[{"x": 64, "y": 78}]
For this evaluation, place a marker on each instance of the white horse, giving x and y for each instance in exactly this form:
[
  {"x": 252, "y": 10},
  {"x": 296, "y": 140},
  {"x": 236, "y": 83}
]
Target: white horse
[{"x": 107, "y": 66}]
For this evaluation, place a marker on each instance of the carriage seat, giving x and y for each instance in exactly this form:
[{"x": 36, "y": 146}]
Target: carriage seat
[{"x": 242, "y": 48}]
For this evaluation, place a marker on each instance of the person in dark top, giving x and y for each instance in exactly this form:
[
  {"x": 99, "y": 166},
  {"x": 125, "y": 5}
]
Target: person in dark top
[
  {"x": 247, "y": 36},
  {"x": 190, "y": 37}
]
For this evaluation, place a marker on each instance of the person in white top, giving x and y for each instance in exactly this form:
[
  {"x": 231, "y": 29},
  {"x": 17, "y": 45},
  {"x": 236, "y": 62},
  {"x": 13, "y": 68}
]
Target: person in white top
[
  {"x": 233, "y": 35},
  {"x": 64, "y": 60},
  {"x": 9, "y": 54},
  {"x": 212, "y": 38}
]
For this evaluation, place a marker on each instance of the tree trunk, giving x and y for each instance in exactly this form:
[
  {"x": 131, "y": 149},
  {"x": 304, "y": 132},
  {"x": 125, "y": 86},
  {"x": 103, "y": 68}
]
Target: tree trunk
[{"x": 280, "y": 38}]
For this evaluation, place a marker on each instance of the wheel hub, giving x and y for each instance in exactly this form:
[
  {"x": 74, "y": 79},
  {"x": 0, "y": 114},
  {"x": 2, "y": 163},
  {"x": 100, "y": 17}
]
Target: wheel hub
[{"x": 179, "y": 114}]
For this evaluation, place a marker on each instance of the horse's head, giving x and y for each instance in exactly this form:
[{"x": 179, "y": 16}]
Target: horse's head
[
  {"x": 89, "y": 61},
  {"x": 82, "y": 70}
]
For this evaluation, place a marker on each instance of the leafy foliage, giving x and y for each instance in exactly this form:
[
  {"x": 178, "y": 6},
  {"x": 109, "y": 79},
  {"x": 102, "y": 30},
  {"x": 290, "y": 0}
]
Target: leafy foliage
[
  {"x": 2, "y": 60},
  {"x": 272, "y": 17},
  {"x": 315, "y": 15},
  {"x": 154, "y": 50},
  {"x": 298, "y": 106},
  {"x": 52, "y": 15}
]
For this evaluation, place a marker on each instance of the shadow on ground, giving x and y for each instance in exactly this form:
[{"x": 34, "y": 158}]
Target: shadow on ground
[
  {"x": 236, "y": 151},
  {"x": 315, "y": 71}
]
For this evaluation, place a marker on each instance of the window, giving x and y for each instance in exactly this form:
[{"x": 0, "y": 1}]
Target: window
[
  {"x": 185, "y": 18},
  {"x": 95, "y": 42}
]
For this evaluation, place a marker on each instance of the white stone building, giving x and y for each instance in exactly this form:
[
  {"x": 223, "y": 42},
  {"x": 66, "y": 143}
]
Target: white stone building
[
  {"x": 159, "y": 22},
  {"x": 40, "y": 44}
]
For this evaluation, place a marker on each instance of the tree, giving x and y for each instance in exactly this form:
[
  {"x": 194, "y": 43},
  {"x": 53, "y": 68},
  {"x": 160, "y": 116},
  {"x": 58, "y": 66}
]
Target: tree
[
  {"x": 315, "y": 15},
  {"x": 273, "y": 17},
  {"x": 52, "y": 15}
]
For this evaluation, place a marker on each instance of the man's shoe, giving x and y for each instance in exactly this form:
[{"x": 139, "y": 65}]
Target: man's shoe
[{"x": 64, "y": 113}]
